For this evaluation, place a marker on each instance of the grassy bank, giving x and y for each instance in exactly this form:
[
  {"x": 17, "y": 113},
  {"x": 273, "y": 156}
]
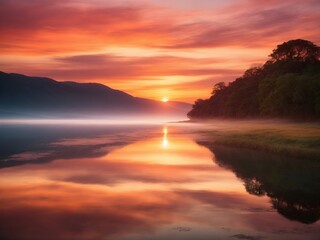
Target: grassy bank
[{"x": 280, "y": 137}]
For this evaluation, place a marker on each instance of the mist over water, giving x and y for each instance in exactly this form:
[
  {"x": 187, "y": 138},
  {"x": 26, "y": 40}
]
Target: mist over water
[
  {"x": 99, "y": 120},
  {"x": 78, "y": 180}
]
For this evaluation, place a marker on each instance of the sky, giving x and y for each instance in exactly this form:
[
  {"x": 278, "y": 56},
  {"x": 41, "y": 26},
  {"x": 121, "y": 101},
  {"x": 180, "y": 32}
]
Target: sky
[{"x": 174, "y": 49}]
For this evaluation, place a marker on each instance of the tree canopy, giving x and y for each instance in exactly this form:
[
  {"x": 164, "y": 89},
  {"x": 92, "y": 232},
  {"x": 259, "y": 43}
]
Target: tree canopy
[
  {"x": 287, "y": 85},
  {"x": 299, "y": 50}
]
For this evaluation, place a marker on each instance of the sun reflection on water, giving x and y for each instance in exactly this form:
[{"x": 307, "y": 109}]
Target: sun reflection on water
[
  {"x": 165, "y": 142},
  {"x": 111, "y": 185}
]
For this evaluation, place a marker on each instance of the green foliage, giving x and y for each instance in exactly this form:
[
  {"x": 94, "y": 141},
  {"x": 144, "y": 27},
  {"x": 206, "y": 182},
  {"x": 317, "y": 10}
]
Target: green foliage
[
  {"x": 294, "y": 146},
  {"x": 288, "y": 85},
  {"x": 289, "y": 95}
]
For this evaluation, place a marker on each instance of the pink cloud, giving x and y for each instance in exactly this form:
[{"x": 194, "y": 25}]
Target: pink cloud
[
  {"x": 38, "y": 24},
  {"x": 69, "y": 35}
]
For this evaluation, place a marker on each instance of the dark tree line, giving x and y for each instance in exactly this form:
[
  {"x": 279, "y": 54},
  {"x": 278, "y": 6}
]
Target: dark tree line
[{"x": 287, "y": 85}]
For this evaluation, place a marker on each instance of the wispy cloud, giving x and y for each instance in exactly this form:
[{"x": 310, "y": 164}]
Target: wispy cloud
[{"x": 81, "y": 41}]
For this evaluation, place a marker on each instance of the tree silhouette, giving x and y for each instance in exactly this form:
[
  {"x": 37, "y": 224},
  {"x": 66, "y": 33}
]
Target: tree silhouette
[
  {"x": 218, "y": 87},
  {"x": 299, "y": 50},
  {"x": 287, "y": 85}
]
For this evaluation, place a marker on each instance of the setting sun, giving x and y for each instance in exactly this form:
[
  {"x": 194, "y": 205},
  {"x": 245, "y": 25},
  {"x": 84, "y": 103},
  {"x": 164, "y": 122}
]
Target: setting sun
[{"x": 186, "y": 110}]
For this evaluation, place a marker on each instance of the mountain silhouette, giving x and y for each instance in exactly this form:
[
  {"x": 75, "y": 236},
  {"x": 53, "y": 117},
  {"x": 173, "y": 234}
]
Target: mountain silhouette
[{"x": 23, "y": 96}]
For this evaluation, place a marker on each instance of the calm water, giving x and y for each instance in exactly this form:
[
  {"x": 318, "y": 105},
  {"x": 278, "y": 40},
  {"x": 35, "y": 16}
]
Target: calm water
[{"x": 151, "y": 182}]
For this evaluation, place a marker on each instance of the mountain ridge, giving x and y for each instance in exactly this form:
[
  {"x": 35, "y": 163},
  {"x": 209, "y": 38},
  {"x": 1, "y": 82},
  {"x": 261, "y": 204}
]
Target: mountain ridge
[{"x": 22, "y": 95}]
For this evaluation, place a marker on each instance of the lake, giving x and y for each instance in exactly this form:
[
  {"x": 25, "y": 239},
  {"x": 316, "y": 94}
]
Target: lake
[{"x": 139, "y": 182}]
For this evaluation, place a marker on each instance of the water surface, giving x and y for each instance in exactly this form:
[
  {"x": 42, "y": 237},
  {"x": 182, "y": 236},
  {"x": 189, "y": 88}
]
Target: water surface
[{"x": 149, "y": 182}]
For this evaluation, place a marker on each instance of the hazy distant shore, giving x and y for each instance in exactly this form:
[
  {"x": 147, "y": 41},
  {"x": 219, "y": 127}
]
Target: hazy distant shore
[
  {"x": 147, "y": 120},
  {"x": 294, "y": 139}
]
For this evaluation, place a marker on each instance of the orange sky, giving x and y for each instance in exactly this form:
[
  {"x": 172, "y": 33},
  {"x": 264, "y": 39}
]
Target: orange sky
[{"x": 149, "y": 48}]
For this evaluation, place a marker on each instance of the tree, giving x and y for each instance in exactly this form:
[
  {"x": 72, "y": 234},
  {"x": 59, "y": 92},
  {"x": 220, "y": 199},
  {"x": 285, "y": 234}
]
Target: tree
[
  {"x": 252, "y": 72},
  {"x": 299, "y": 49},
  {"x": 286, "y": 86},
  {"x": 218, "y": 87}
]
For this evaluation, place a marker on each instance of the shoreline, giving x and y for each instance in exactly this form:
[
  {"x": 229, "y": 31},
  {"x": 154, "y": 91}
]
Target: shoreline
[{"x": 282, "y": 137}]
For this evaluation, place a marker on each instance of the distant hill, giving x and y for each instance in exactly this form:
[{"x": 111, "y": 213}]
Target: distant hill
[
  {"x": 286, "y": 86},
  {"x": 38, "y": 97}
]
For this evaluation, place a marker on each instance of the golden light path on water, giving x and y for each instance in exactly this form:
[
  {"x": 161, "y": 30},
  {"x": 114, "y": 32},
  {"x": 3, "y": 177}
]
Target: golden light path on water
[
  {"x": 160, "y": 186},
  {"x": 164, "y": 139}
]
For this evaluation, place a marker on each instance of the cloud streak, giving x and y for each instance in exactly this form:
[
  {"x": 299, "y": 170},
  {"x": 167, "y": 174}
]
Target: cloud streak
[{"x": 81, "y": 41}]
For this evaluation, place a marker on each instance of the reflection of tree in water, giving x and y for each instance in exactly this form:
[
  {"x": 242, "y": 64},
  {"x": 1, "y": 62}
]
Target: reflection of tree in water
[
  {"x": 253, "y": 186},
  {"x": 296, "y": 210},
  {"x": 293, "y": 185}
]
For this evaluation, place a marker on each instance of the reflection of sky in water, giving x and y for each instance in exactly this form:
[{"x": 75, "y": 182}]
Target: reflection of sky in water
[{"x": 157, "y": 184}]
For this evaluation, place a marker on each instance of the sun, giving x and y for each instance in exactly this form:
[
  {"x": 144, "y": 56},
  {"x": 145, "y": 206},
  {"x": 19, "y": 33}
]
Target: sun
[{"x": 165, "y": 99}]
